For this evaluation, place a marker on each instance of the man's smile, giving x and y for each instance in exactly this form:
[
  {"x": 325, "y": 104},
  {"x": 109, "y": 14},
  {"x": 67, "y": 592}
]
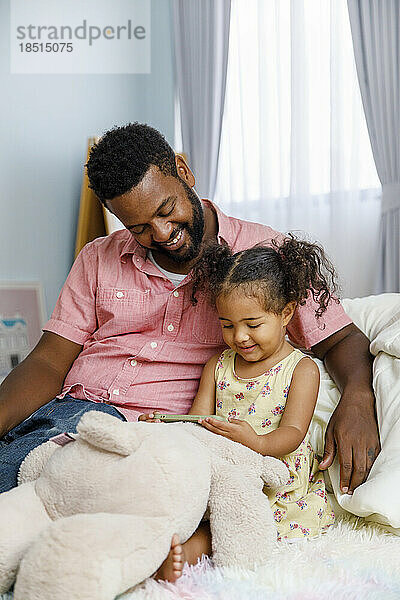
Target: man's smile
[{"x": 174, "y": 242}]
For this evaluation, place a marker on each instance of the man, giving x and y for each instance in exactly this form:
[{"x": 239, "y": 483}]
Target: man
[{"x": 125, "y": 338}]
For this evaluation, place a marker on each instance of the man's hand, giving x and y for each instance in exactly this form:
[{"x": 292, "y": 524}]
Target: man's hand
[
  {"x": 352, "y": 433},
  {"x": 235, "y": 430}
]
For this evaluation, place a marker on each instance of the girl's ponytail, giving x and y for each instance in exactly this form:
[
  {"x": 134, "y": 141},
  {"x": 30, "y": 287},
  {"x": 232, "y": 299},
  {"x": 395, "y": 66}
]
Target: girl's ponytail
[
  {"x": 306, "y": 269},
  {"x": 276, "y": 273}
]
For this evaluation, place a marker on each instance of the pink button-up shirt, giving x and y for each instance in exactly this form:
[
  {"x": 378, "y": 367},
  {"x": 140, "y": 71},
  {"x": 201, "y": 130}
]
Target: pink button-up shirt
[{"x": 144, "y": 343}]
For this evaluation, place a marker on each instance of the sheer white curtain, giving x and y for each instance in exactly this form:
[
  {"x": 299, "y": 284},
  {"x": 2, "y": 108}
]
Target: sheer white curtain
[
  {"x": 376, "y": 37},
  {"x": 295, "y": 152},
  {"x": 201, "y": 35}
]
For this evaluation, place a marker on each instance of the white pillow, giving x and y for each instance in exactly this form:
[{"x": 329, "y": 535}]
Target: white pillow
[
  {"x": 373, "y": 314},
  {"x": 378, "y": 498}
]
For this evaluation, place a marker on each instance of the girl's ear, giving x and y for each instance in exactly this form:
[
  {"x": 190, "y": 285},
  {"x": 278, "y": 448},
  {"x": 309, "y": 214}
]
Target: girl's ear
[{"x": 288, "y": 312}]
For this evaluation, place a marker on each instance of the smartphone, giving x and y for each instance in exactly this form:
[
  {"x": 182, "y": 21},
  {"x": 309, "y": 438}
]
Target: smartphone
[{"x": 169, "y": 418}]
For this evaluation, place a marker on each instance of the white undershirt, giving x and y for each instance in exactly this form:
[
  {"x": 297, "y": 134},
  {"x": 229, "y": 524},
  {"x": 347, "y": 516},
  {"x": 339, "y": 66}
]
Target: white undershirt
[{"x": 175, "y": 278}]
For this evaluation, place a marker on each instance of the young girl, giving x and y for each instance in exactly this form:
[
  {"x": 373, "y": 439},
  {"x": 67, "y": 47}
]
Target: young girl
[{"x": 265, "y": 388}]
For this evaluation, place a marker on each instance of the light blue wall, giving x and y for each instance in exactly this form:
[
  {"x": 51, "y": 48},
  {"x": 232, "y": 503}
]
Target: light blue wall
[{"x": 45, "y": 123}]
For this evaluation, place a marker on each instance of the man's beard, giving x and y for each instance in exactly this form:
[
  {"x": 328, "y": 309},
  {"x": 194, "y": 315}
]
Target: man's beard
[{"x": 194, "y": 232}]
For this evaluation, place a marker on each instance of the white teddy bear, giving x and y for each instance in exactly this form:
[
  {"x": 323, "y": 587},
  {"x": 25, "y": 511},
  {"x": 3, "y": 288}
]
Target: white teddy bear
[{"x": 95, "y": 517}]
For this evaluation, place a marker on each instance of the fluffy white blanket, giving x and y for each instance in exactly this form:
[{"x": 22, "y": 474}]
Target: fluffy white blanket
[
  {"x": 353, "y": 561},
  {"x": 377, "y": 499}
]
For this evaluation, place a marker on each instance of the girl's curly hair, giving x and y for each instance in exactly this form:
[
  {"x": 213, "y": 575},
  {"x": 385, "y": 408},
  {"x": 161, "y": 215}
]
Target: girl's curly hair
[{"x": 276, "y": 274}]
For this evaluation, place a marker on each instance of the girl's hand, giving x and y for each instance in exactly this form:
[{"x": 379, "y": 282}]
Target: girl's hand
[
  {"x": 149, "y": 418},
  {"x": 235, "y": 430}
]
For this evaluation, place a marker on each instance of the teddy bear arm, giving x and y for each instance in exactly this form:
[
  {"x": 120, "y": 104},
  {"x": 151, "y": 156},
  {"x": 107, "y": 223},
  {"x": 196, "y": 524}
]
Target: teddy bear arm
[
  {"x": 241, "y": 520},
  {"x": 274, "y": 472}
]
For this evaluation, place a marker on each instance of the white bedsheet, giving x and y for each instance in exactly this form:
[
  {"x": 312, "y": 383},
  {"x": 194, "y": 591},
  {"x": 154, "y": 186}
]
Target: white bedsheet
[{"x": 378, "y": 499}]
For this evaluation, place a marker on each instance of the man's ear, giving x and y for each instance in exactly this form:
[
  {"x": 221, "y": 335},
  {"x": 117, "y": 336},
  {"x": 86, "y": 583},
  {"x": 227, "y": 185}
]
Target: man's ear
[
  {"x": 184, "y": 171},
  {"x": 288, "y": 312}
]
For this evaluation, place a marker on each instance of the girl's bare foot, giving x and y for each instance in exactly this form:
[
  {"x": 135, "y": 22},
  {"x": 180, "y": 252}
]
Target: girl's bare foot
[
  {"x": 172, "y": 567},
  {"x": 190, "y": 552}
]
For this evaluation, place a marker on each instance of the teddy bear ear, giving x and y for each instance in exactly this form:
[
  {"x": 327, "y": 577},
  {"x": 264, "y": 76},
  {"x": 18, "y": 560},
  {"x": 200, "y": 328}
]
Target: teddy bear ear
[
  {"x": 108, "y": 433},
  {"x": 34, "y": 462}
]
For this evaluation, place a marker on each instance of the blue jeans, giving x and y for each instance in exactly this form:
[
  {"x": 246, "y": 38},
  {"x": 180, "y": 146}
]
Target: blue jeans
[{"x": 53, "y": 418}]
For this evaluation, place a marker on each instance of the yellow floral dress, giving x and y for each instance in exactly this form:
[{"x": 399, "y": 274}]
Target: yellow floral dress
[{"x": 301, "y": 507}]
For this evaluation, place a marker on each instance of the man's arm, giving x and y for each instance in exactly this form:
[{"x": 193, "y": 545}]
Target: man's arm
[
  {"x": 36, "y": 380},
  {"x": 352, "y": 431}
]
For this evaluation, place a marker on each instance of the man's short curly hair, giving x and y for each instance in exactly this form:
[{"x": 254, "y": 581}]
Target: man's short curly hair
[{"x": 119, "y": 161}]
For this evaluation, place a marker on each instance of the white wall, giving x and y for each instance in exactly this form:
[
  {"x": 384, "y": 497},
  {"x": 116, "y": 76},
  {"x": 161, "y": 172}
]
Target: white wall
[{"x": 45, "y": 121}]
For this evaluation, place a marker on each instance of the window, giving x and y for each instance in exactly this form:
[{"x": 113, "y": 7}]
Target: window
[{"x": 293, "y": 123}]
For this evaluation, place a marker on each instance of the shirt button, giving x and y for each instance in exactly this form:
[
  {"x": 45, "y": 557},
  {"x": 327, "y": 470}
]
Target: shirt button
[
  {"x": 120, "y": 294},
  {"x": 116, "y": 392},
  {"x": 176, "y": 294},
  {"x": 153, "y": 344},
  {"x": 133, "y": 363},
  {"x": 170, "y": 327}
]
